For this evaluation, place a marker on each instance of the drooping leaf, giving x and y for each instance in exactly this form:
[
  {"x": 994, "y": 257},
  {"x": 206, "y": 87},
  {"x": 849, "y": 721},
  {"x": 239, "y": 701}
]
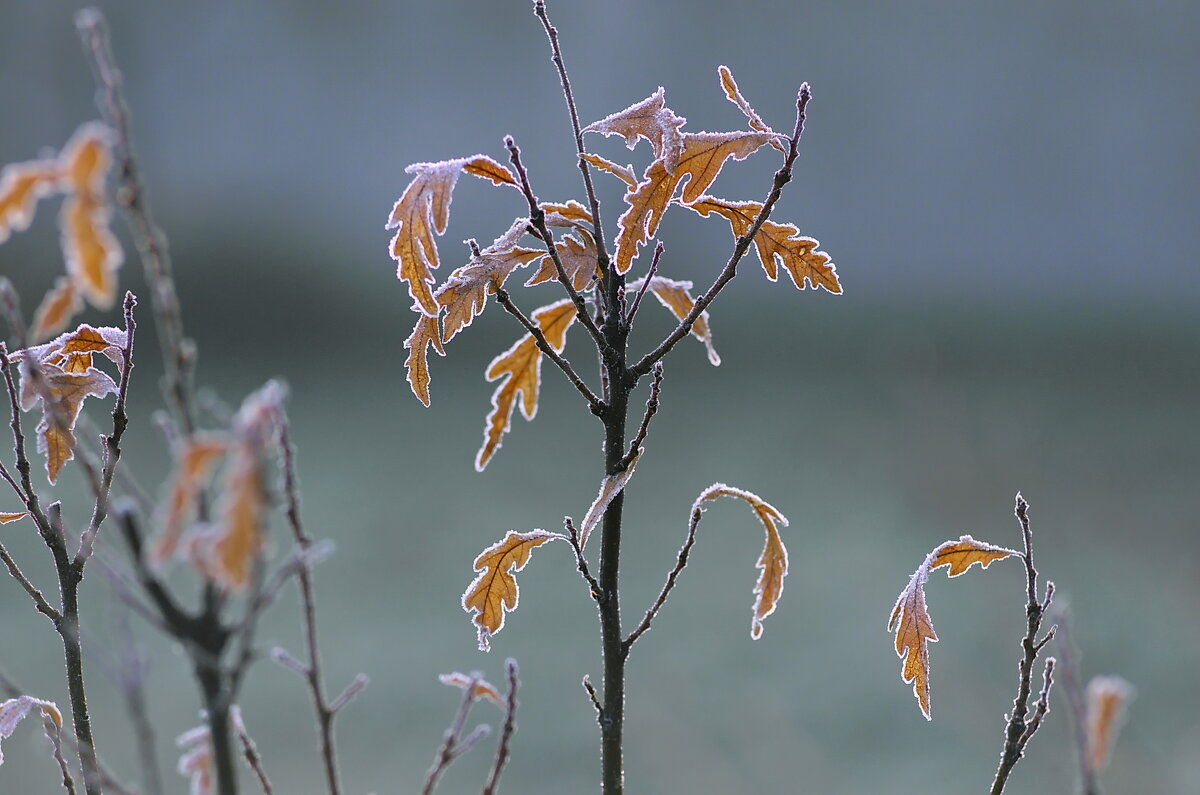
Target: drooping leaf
[
  {"x": 55, "y": 311},
  {"x": 700, "y": 162},
  {"x": 520, "y": 367},
  {"x": 107, "y": 340},
  {"x": 776, "y": 244},
  {"x": 735, "y": 96},
  {"x": 572, "y": 214},
  {"x": 623, "y": 173},
  {"x": 21, "y": 186},
  {"x": 92, "y": 252},
  {"x": 194, "y": 461},
  {"x": 86, "y": 159},
  {"x": 13, "y": 711},
  {"x": 423, "y": 210},
  {"x": 1107, "y": 700},
  {"x": 5, "y": 518},
  {"x": 465, "y": 292},
  {"x": 772, "y": 563},
  {"x": 579, "y": 259},
  {"x": 910, "y": 619},
  {"x": 610, "y": 487},
  {"x": 483, "y": 688},
  {"x": 424, "y": 333},
  {"x": 650, "y": 119},
  {"x": 66, "y": 392},
  {"x": 676, "y": 297},
  {"x": 494, "y": 591}
]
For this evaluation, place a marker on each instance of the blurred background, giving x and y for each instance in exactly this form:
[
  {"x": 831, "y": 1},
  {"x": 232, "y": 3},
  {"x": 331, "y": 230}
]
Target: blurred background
[{"x": 1009, "y": 191}]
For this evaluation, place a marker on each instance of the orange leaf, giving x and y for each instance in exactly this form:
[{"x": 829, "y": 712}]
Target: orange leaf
[
  {"x": 423, "y": 210},
  {"x": 92, "y": 252},
  {"x": 66, "y": 391},
  {"x": 609, "y": 489},
  {"x": 423, "y": 334},
  {"x": 675, "y": 297},
  {"x": 776, "y": 243},
  {"x": 56, "y": 310},
  {"x": 21, "y": 185},
  {"x": 624, "y": 173},
  {"x": 735, "y": 96},
  {"x": 85, "y": 160},
  {"x": 700, "y": 162},
  {"x": 579, "y": 259},
  {"x": 494, "y": 591},
  {"x": 910, "y": 619},
  {"x": 1107, "y": 698},
  {"x": 570, "y": 214},
  {"x": 5, "y": 518},
  {"x": 193, "y": 461},
  {"x": 521, "y": 368},
  {"x": 773, "y": 562},
  {"x": 14, "y": 710},
  {"x": 465, "y": 292},
  {"x": 482, "y": 689},
  {"x": 650, "y": 119}
]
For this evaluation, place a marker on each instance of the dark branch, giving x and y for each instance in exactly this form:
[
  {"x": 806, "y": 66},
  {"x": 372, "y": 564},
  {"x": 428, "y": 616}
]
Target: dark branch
[
  {"x": 509, "y": 728},
  {"x": 680, "y": 562},
  {"x": 651, "y": 410},
  {"x": 637, "y": 301},
  {"x": 580, "y": 560}
]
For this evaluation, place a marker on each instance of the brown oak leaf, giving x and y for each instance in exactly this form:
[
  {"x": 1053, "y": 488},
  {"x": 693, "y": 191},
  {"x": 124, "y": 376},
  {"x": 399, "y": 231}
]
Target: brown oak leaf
[
  {"x": 465, "y": 292},
  {"x": 623, "y": 173},
  {"x": 55, "y": 311},
  {"x": 520, "y": 367},
  {"x": 5, "y": 518},
  {"x": 579, "y": 259},
  {"x": 700, "y": 162},
  {"x": 66, "y": 392},
  {"x": 910, "y": 619},
  {"x": 772, "y": 563},
  {"x": 424, "y": 333},
  {"x": 21, "y": 186},
  {"x": 494, "y": 591},
  {"x": 572, "y": 214},
  {"x": 423, "y": 210},
  {"x": 776, "y": 243},
  {"x": 483, "y": 688},
  {"x": 735, "y": 96},
  {"x": 650, "y": 119},
  {"x": 676, "y": 297}
]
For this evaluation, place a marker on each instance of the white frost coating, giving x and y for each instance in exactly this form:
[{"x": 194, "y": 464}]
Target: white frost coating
[
  {"x": 609, "y": 489},
  {"x": 13, "y": 711},
  {"x": 650, "y": 119}
]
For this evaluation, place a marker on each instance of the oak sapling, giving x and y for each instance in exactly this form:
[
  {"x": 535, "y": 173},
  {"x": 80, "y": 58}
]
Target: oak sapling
[{"x": 565, "y": 243}]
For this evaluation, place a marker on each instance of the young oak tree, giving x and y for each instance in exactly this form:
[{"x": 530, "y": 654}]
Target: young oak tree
[{"x": 566, "y": 243}]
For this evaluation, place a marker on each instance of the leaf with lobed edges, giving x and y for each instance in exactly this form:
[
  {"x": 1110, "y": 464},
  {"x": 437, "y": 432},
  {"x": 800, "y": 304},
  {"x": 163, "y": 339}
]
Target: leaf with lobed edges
[{"x": 494, "y": 592}]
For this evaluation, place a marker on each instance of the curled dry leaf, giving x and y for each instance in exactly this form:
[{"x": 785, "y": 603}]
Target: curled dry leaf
[
  {"x": 423, "y": 210},
  {"x": 729, "y": 85},
  {"x": 910, "y": 619},
  {"x": 21, "y": 186},
  {"x": 13, "y": 711},
  {"x": 494, "y": 591},
  {"x": 55, "y": 311},
  {"x": 700, "y": 162},
  {"x": 772, "y": 563},
  {"x": 5, "y": 518},
  {"x": 609, "y": 489},
  {"x": 623, "y": 173},
  {"x": 571, "y": 214},
  {"x": 1107, "y": 699},
  {"x": 92, "y": 252},
  {"x": 578, "y": 256},
  {"x": 650, "y": 119},
  {"x": 520, "y": 367},
  {"x": 483, "y": 688},
  {"x": 465, "y": 292},
  {"x": 776, "y": 243},
  {"x": 675, "y": 297},
  {"x": 424, "y": 334},
  {"x": 194, "y": 460}
]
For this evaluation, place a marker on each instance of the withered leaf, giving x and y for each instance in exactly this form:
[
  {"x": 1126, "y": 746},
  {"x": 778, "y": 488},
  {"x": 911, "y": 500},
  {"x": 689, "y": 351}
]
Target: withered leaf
[
  {"x": 776, "y": 243},
  {"x": 623, "y": 173},
  {"x": 735, "y": 96},
  {"x": 55, "y": 311},
  {"x": 423, "y": 210},
  {"x": 579, "y": 259},
  {"x": 5, "y": 518},
  {"x": 910, "y": 619},
  {"x": 1107, "y": 699},
  {"x": 483, "y": 688},
  {"x": 465, "y": 292},
  {"x": 700, "y": 162},
  {"x": 85, "y": 160},
  {"x": 571, "y": 214},
  {"x": 66, "y": 392},
  {"x": 650, "y": 119},
  {"x": 92, "y": 252},
  {"x": 773, "y": 562},
  {"x": 520, "y": 367},
  {"x": 610, "y": 487},
  {"x": 424, "y": 333},
  {"x": 676, "y": 297},
  {"x": 494, "y": 591},
  {"x": 14, "y": 710},
  {"x": 194, "y": 460},
  {"x": 21, "y": 186}
]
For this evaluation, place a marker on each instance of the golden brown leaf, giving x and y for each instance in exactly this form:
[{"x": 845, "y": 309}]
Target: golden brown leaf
[
  {"x": 423, "y": 334},
  {"x": 520, "y": 367},
  {"x": 570, "y": 214},
  {"x": 700, "y": 162},
  {"x": 650, "y": 119},
  {"x": 92, "y": 252},
  {"x": 465, "y": 292},
  {"x": 579, "y": 259},
  {"x": 423, "y": 210},
  {"x": 66, "y": 391},
  {"x": 21, "y": 186},
  {"x": 60, "y": 304},
  {"x": 193, "y": 462},
  {"x": 5, "y": 518},
  {"x": 14, "y": 710},
  {"x": 623, "y": 173},
  {"x": 494, "y": 591},
  {"x": 610, "y": 487},
  {"x": 85, "y": 160},
  {"x": 735, "y": 96},
  {"x": 910, "y": 619},
  {"x": 675, "y": 297},
  {"x": 776, "y": 243},
  {"x": 773, "y": 562},
  {"x": 1107, "y": 699},
  {"x": 483, "y": 688}
]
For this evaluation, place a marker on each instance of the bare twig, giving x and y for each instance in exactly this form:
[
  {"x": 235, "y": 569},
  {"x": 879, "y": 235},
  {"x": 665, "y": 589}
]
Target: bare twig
[
  {"x": 595, "y": 404},
  {"x": 1021, "y": 726},
  {"x": 1073, "y": 691},
  {"x": 253, "y": 757},
  {"x": 580, "y": 561},
  {"x": 452, "y": 747},
  {"x": 651, "y": 410},
  {"x": 55, "y": 736},
  {"x": 680, "y": 562},
  {"x": 637, "y": 301},
  {"x": 43, "y": 607},
  {"x": 509, "y": 728},
  {"x": 594, "y": 696},
  {"x": 782, "y": 177}
]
